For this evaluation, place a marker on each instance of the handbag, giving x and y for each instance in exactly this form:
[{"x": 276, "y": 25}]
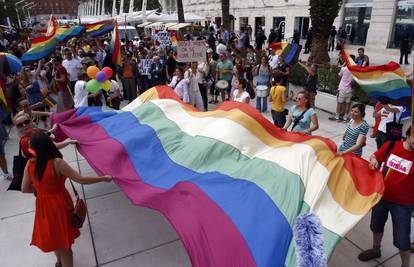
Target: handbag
[
  {"x": 79, "y": 212},
  {"x": 394, "y": 130},
  {"x": 19, "y": 163}
]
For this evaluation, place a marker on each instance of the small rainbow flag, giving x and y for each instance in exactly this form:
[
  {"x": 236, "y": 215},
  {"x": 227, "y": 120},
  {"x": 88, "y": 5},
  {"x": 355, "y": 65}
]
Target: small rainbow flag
[
  {"x": 66, "y": 32},
  {"x": 115, "y": 47},
  {"x": 290, "y": 52},
  {"x": 385, "y": 83},
  {"x": 4, "y": 106},
  {"x": 44, "y": 45}
]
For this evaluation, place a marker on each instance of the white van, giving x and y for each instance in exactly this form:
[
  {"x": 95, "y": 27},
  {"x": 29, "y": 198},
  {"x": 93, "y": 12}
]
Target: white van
[{"x": 130, "y": 31}]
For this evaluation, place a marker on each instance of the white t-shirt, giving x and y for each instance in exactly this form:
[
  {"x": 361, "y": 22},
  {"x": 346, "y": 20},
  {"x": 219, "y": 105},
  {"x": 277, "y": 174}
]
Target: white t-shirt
[
  {"x": 274, "y": 61},
  {"x": 72, "y": 67},
  {"x": 387, "y": 117},
  {"x": 242, "y": 97},
  {"x": 181, "y": 88},
  {"x": 81, "y": 94},
  {"x": 345, "y": 85},
  {"x": 114, "y": 87}
]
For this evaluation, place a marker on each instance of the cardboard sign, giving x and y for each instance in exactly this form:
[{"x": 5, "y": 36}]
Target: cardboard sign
[
  {"x": 191, "y": 51},
  {"x": 144, "y": 66},
  {"x": 164, "y": 38}
]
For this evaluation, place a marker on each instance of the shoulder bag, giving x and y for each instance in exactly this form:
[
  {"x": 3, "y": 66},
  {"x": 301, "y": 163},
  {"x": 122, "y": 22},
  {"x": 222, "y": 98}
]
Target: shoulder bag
[
  {"x": 19, "y": 163},
  {"x": 297, "y": 120},
  {"x": 79, "y": 212}
]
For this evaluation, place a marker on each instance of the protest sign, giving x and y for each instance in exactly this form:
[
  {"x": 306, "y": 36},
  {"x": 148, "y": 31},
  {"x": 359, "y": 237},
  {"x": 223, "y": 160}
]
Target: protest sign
[
  {"x": 144, "y": 66},
  {"x": 191, "y": 51},
  {"x": 164, "y": 38}
]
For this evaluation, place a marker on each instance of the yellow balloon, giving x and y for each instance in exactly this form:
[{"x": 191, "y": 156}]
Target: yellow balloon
[
  {"x": 92, "y": 71},
  {"x": 106, "y": 85}
]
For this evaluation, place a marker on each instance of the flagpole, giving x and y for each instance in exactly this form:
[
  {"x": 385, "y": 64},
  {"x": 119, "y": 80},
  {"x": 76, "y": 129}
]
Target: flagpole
[{"x": 412, "y": 98}]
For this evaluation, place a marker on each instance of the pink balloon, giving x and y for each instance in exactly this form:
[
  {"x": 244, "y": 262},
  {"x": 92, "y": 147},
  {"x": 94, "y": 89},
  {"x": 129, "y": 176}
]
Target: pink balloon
[
  {"x": 108, "y": 71},
  {"x": 101, "y": 76}
]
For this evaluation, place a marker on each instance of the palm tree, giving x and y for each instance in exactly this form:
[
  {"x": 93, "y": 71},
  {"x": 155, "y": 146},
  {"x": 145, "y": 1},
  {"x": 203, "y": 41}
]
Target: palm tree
[
  {"x": 180, "y": 11},
  {"x": 322, "y": 14},
  {"x": 225, "y": 13}
]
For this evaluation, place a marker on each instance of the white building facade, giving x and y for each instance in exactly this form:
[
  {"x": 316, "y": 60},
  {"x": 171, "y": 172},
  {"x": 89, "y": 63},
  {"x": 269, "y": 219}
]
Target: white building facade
[{"x": 375, "y": 24}]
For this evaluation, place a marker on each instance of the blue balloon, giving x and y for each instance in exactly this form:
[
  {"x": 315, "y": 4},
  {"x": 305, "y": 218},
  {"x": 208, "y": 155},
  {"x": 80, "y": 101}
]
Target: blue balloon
[{"x": 101, "y": 76}]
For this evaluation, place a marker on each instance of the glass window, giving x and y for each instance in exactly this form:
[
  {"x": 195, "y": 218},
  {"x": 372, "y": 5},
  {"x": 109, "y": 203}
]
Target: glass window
[
  {"x": 279, "y": 25},
  {"x": 404, "y": 24},
  {"x": 356, "y": 24},
  {"x": 243, "y": 22}
]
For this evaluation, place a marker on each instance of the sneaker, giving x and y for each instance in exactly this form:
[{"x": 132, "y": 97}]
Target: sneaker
[
  {"x": 346, "y": 119},
  {"x": 368, "y": 255},
  {"x": 7, "y": 176},
  {"x": 334, "y": 118}
]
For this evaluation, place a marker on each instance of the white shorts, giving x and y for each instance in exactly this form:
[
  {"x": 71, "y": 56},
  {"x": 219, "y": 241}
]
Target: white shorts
[{"x": 344, "y": 98}]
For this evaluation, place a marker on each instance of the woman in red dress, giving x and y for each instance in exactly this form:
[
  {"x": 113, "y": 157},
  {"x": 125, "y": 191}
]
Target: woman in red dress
[{"x": 46, "y": 174}]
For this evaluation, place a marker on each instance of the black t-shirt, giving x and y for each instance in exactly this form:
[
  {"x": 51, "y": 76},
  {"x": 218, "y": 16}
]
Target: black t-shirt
[
  {"x": 171, "y": 65},
  {"x": 283, "y": 67}
]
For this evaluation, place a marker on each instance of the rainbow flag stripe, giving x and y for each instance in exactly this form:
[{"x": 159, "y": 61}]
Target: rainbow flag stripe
[
  {"x": 232, "y": 201},
  {"x": 65, "y": 33},
  {"x": 385, "y": 83},
  {"x": 99, "y": 28}
]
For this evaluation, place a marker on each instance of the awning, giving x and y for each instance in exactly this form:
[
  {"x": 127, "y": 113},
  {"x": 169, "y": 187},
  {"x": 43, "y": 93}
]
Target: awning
[
  {"x": 178, "y": 26},
  {"x": 170, "y": 24},
  {"x": 155, "y": 25},
  {"x": 142, "y": 25}
]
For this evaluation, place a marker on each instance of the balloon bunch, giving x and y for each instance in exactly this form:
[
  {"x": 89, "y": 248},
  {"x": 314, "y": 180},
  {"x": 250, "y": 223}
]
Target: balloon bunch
[{"x": 99, "y": 79}]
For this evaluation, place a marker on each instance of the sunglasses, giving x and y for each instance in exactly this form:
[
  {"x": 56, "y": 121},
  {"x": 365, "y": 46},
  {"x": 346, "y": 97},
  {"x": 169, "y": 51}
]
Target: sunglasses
[
  {"x": 298, "y": 98},
  {"x": 24, "y": 123}
]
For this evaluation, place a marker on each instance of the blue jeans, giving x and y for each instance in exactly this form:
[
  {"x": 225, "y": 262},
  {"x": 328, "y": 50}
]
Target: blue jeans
[
  {"x": 401, "y": 222},
  {"x": 261, "y": 103}
]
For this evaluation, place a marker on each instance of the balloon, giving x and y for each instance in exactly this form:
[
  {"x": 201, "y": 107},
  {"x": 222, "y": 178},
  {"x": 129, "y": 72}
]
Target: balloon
[
  {"x": 93, "y": 86},
  {"x": 108, "y": 71},
  {"x": 106, "y": 85},
  {"x": 92, "y": 71},
  {"x": 101, "y": 76}
]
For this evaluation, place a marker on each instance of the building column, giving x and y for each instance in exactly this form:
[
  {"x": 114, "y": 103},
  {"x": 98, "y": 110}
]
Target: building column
[{"x": 381, "y": 25}]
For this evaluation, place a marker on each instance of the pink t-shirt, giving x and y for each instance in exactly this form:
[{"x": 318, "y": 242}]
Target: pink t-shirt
[{"x": 346, "y": 81}]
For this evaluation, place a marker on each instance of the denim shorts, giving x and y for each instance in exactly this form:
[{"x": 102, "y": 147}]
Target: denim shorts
[{"x": 401, "y": 222}]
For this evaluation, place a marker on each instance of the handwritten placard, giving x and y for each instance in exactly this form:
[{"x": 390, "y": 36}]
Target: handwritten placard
[
  {"x": 164, "y": 38},
  {"x": 191, "y": 51},
  {"x": 144, "y": 66}
]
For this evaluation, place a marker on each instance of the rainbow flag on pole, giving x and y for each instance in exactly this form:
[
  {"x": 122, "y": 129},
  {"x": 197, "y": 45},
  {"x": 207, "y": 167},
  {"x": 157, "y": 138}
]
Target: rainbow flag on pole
[
  {"x": 44, "y": 45},
  {"x": 290, "y": 52},
  {"x": 99, "y": 28},
  {"x": 232, "y": 201},
  {"x": 115, "y": 46},
  {"x": 385, "y": 83}
]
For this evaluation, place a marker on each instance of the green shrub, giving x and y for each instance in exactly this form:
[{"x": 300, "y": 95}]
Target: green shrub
[{"x": 328, "y": 81}]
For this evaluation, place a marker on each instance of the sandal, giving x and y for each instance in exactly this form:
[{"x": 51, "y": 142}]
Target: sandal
[
  {"x": 58, "y": 264},
  {"x": 369, "y": 254}
]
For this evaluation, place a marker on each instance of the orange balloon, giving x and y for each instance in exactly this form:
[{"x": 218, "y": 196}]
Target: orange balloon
[{"x": 92, "y": 71}]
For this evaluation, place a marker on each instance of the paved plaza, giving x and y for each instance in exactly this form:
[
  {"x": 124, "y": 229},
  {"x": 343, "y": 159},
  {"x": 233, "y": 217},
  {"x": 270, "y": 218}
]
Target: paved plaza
[{"x": 117, "y": 233}]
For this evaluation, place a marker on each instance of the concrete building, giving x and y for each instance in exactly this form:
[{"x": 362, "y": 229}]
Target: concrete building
[
  {"x": 376, "y": 24},
  {"x": 61, "y": 9}
]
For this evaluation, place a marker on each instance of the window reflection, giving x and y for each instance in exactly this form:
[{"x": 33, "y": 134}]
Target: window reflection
[
  {"x": 356, "y": 24},
  {"x": 404, "y": 24}
]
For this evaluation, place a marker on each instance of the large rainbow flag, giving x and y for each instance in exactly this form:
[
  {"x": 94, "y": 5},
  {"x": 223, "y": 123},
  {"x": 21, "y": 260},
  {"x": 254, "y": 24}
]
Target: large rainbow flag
[
  {"x": 44, "y": 45},
  {"x": 65, "y": 32},
  {"x": 230, "y": 182},
  {"x": 99, "y": 28},
  {"x": 115, "y": 46},
  {"x": 385, "y": 83}
]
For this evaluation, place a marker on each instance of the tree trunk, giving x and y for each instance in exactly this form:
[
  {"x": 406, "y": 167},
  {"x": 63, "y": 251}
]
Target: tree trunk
[
  {"x": 323, "y": 14},
  {"x": 180, "y": 11},
  {"x": 225, "y": 9}
]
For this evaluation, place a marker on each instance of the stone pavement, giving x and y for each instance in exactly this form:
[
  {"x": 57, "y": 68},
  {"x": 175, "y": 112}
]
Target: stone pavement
[{"x": 119, "y": 234}]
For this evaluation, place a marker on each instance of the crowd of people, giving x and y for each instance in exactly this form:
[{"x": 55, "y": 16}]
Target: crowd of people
[{"x": 233, "y": 70}]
